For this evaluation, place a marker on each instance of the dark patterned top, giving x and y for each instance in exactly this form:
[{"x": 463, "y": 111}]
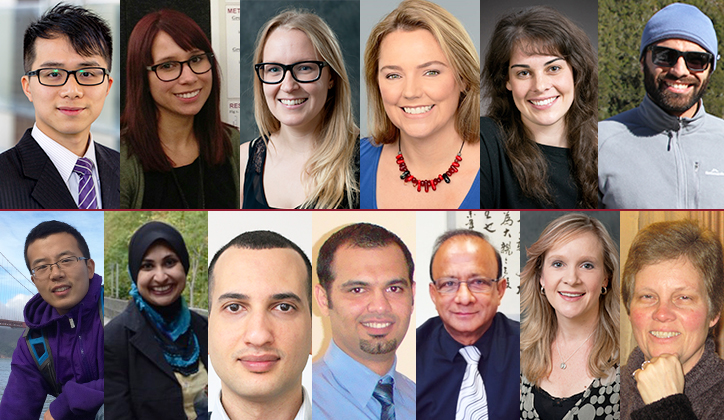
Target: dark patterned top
[{"x": 600, "y": 401}]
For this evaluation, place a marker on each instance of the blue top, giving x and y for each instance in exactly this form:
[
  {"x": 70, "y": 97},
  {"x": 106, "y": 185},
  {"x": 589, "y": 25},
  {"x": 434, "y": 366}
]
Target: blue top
[
  {"x": 370, "y": 159},
  {"x": 342, "y": 389},
  {"x": 440, "y": 369}
]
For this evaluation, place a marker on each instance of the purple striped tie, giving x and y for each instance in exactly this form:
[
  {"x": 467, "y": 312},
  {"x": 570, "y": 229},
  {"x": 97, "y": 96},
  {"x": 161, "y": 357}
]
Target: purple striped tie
[{"x": 86, "y": 186}]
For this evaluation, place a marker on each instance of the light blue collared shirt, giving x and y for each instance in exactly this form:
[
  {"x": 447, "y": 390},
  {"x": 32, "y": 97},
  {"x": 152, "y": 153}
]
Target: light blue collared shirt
[{"x": 342, "y": 389}]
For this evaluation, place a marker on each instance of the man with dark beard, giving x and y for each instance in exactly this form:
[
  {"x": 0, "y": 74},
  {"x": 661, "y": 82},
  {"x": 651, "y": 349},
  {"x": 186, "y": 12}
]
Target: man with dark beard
[
  {"x": 468, "y": 359},
  {"x": 667, "y": 152},
  {"x": 366, "y": 288}
]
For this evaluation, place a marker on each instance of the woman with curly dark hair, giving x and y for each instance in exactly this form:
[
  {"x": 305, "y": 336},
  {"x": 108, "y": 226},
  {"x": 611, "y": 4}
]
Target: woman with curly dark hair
[{"x": 539, "y": 139}]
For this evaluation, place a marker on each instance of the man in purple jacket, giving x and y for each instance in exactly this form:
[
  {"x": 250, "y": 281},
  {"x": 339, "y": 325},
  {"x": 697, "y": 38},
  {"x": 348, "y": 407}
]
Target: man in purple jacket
[{"x": 66, "y": 310}]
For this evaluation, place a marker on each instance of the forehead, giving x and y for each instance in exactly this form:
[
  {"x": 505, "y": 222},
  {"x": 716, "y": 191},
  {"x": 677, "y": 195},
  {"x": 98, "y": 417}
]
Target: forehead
[
  {"x": 680, "y": 44},
  {"x": 577, "y": 244},
  {"x": 260, "y": 273},
  {"x": 59, "y": 51},
  {"x": 164, "y": 47},
  {"x": 158, "y": 249},
  {"x": 468, "y": 254},
  {"x": 288, "y": 46},
  {"x": 51, "y": 245},
  {"x": 382, "y": 263},
  {"x": 669, "y": 275},
  {"x": 405, "y": 47}
]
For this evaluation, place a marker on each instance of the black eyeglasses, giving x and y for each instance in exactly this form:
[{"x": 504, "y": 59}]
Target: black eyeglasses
[
  {"x": 667, "y": 57},
  {"x": 87, "y": 76},
  {"x": 302, "y": 72},
  {"x": 171, "y": 70}
]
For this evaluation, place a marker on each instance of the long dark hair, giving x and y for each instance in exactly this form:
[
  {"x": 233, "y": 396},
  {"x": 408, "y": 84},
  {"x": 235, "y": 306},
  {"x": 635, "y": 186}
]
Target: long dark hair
[
  {"x": 543, "y": 30},
  {"x": 140, "y": 117}
]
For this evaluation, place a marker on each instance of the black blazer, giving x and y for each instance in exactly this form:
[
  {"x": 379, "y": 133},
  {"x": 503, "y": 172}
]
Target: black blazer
[
  {"x": 29, "y": 180},
  {"x": 139, "y": 383}
]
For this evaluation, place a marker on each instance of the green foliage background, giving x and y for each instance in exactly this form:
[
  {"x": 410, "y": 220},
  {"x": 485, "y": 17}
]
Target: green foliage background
[
  {"x": 120, "y": 226},
  {"x": 620, "y": 80}
]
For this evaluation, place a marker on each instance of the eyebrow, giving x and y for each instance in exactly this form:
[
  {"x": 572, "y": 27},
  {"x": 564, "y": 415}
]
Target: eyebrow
[
  {"x": 421, "y": 66},
  {"x": 232, "y": 295},
  {"x": 360, "y": 283},
  {"x": 175, "y": 58},
  {"x": 525, "y": 66},
  {"x": 274, "y": 297},
  {"x": 58, "y": 256},
  {"x": 61, "y": 65}
]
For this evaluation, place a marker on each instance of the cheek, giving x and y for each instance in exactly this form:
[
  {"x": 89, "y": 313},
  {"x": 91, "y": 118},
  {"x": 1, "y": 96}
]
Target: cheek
[
  {"x": 639, "y": 318},
  {"x": 695, "y": 320}
]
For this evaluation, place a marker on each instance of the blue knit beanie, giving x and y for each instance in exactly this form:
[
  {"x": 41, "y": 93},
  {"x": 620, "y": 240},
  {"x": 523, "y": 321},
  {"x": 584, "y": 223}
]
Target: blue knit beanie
[{"x": 682, "y": 21}]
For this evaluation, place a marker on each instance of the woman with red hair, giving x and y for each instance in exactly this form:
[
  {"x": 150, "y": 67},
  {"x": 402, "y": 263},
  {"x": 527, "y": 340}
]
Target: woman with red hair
[{"x": 175, "y": 151}]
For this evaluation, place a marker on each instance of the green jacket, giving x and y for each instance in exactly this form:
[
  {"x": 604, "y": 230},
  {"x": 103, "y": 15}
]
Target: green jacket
[{"x": 132, "y": 183}]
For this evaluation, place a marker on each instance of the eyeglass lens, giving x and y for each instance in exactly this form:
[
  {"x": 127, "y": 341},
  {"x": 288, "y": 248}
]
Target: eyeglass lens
[
  {"x": 474, "y": 285},
  {"x": 172, "y": 70},
  {"x": 58, "y": 77},
  {"x": 302, "y": 72},
  {"x": 696, "y": 61}
]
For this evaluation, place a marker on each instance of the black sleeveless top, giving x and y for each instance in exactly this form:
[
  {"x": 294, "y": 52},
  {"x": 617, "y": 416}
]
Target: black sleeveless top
[{"x": 253, "y": 190}]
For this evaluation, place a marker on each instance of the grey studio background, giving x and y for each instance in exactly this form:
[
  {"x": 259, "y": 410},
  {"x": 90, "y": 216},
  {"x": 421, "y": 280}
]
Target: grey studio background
[
  {"x": 583, "y": 13},
  {"x": 532, "y": 224},
  {"x": 343, "y": 16},
  {"x": 372, "y": 11}
]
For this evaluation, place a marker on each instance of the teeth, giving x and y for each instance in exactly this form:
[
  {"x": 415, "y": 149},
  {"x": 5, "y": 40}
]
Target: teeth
[
  {"x": 292, "y": 101},
  {"x": 377, "y": 324},
  {"x": 188, "y": 95},
  {"x": 417, "y": 109},
  {"x": 162, "y": 288},
  {"x": 571, "y": 294},
  {"x": 664, "y": 334},
  {"x": 679, "y": 86},
  {"x": 544, "y": 102},
  {"x": 62, "y": 289}
]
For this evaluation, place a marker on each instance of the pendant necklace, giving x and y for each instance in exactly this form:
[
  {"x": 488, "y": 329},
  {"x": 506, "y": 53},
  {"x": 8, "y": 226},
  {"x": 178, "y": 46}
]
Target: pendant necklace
[
  {"x": 427, "y": 183},
  {"x": 563, "y": 362}
]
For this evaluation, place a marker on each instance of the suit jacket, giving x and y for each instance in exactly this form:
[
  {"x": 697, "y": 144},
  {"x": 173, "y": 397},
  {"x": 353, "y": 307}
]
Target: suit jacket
[
  {"x": 139, "y": 383},
  {"x": 29, "y": 180}
]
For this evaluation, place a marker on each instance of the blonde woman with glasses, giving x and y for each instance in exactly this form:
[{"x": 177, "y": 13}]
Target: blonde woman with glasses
[
  {"x": 570, "y": 323},
  {"x": 306, "y": 155}
]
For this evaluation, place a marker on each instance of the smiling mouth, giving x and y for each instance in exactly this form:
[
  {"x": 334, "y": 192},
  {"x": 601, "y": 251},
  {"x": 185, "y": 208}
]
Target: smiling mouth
[
  {"x": 377, "y": 325},
  {"x": 161, "y": 289},
  {"x": 417, "y": 109},
  {"x": 60, "y": 289},
  {"x": 188, "y": 95},
  {"x": 664, "y": 334},
  {"x": 291, "y": 102},
  {"x": 572, "y": 295},
  {"x": 543, "y": 102}
]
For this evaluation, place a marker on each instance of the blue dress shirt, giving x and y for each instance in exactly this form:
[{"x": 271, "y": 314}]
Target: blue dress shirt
[
  {"x": 440, "y": 369},
  {"x": 342, "y": 389}
]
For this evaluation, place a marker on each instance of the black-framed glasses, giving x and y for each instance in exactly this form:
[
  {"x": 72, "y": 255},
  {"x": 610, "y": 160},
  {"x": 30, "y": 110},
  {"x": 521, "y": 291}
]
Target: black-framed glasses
[
  {"x": 87, "y": 76},
  {"x": 44, "y": 270},
  {"x": 171, "y": 70},
  {"x": 475, "y": 285},
  {"x": 667, "y": 57},
  {"x": 302, "y": 72}
]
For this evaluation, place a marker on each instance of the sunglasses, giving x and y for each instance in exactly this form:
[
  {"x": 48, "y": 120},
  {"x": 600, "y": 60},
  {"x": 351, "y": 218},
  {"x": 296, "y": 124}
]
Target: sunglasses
[{"x": 667, "y": 57}]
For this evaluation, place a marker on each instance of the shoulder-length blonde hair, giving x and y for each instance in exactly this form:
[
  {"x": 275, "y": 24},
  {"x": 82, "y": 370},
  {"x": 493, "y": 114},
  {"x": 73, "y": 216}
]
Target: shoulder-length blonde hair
[
  {"x": 539, "y": 325},
  {"x": 459, "y": 50},
  {"x": 330, "y": 170}
]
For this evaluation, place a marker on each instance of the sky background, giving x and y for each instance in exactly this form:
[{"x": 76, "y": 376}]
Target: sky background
[{"x": 15, "y": 226}]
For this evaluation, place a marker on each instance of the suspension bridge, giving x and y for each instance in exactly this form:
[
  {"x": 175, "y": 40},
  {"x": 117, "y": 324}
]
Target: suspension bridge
[{"x": 16, "y": 289}]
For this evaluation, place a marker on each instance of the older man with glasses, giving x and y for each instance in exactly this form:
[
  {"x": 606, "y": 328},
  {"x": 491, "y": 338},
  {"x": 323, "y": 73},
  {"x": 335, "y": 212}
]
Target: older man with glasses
[
  {"x": 56, "y": 164},
  {"x": 667, "y": 152},
  {"x": 468, "y": 357}
]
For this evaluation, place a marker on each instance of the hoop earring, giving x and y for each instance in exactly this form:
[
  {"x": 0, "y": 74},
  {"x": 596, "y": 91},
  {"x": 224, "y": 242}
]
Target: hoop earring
[
  {"x": 604, "y": 290},
  {"x": 542, "y": 291}
]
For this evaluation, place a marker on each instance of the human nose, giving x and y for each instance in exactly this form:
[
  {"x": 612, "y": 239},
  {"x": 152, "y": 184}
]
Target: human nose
[
  {"x": 379, "y": 302},
  {"x": 570, "y": 276},
  {"x": 72, "y": 88},
  {"x": 58, "y": 273},
  {"x": 187, "y": 75},
  {"x": 288, "y": 83},
  {"x": 679, "y": 69},
  {"x": 542, "y": 83},
  {"x": 664, "y": 311},
  {"x": 464, "y": 296},
  {"x": 257, "y": 331},
  {"x": 412, "y": 88}
]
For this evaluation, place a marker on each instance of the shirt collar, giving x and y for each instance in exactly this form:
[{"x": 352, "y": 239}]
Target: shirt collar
[
  {"x": 304, "y": 413},
  {"x": 63, "y": 159},
  {"x": 451, "y": 348},
  {"x": 658, "y": 119},
  {"x": 359, "y": 380}
]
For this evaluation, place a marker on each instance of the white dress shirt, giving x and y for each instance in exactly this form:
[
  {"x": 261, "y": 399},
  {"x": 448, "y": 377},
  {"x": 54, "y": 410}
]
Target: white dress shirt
[{"x": 305, "y": 411}]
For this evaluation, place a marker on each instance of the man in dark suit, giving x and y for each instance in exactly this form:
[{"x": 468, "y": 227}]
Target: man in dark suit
[{"x": 56, "y": 164}]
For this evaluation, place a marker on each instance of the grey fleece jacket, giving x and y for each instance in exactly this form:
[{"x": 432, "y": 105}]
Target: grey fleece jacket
[{"x": 648, "y": 159}]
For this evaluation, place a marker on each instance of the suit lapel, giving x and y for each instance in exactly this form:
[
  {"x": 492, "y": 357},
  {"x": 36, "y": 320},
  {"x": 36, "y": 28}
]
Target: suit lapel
[
  {"x": 144, "y": 342},
  {"x": 50, "y": 191},
  {"x": 109, "y": 171}
]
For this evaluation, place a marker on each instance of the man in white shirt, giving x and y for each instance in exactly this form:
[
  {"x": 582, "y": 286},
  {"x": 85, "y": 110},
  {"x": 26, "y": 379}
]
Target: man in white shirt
[
  {"x": 260, "y": 328},
  {"x": 56, "y": 164}
]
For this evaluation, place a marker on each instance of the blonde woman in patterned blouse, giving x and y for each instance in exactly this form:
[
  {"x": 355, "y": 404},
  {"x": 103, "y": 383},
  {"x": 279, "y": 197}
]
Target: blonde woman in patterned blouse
[{"x": 570, "y": 322}]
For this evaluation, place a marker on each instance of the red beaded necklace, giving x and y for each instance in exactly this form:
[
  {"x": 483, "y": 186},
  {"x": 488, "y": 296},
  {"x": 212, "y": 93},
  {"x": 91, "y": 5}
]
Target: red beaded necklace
[{"x": 427, "y": 183}]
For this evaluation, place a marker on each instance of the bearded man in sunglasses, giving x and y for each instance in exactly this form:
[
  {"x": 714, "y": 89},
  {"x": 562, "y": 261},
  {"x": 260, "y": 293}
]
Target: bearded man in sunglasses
[{"x": 667, "y": 152}]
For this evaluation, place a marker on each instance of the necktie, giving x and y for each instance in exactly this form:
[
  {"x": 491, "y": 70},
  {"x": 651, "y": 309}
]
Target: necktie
[
  {"x": 86, "y": 186},
  {"x": 472, "y": 403},
  {"x": 383, "y": 394}
]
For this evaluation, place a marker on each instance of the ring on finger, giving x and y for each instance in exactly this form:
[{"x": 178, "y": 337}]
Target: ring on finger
[{"x": 643, "y": 365}]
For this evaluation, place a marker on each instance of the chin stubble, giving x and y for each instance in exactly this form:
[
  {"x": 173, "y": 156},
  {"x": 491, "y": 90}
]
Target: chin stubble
[{"x": 378, "y": 347}]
